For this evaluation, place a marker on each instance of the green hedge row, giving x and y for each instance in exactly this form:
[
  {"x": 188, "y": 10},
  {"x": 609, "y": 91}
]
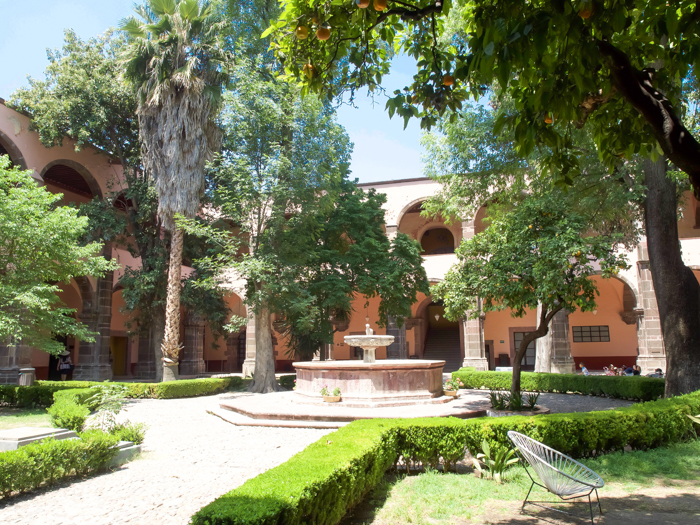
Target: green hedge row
[
  {"x": 632, "y": 387},
  {"x": 42, "y": 393},
  {"x": 47, "y": 462},
  {"x": 320, "y": 484}
]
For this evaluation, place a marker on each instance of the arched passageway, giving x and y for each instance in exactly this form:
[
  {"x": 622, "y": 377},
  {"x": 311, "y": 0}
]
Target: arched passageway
[
  {"x": 437, "y": 241},
  {"x": 442, "y": 339}
]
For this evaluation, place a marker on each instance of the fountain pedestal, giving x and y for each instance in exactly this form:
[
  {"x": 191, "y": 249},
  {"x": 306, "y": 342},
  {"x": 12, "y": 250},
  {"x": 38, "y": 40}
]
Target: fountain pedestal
[{"x": 388, "y": 382}]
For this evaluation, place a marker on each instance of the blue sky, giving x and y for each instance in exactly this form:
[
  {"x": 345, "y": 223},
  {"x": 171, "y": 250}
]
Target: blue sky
[{"x": 383, "y": 150}]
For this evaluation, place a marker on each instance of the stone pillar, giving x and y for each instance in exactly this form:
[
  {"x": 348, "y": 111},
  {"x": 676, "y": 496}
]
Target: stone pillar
[
  {"x": 467, "y": 230},
  {"x": 93, "y": 358},
  {"x": 145, "y": 368},
  {"x": 13, "y": 356},
  {"x": 397, "y": 349},
  {"x": 192, "y": 362},
  {"x": 391, "y": 231},
  {"x": 554, "y": 349},
  {"x": 250, "y": 346},
  {"x": 474, "y": 349},
  {"x": 652, "y": 353}
]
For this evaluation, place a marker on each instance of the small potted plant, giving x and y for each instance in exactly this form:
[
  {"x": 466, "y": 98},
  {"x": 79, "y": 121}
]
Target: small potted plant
[
  {"x": 452, "y": 386},
  {"x": 330, "y": 397}
]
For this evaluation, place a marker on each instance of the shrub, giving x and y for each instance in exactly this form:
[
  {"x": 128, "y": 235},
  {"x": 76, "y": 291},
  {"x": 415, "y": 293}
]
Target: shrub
[
  {"x": 81, "y": 396},
  {"x": 46, "y": 462},
  {"x": 632, "y": 387},
  {"x": 194, "y": 387},
  {"x": 135, "y": 432},
  {"x": 287, "y": 381},
  {"x": 68, "y": 414},
  {"x": 321, "y": 483}
]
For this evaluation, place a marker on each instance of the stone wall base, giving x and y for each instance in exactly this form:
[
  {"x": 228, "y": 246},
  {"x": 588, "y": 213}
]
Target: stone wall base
[
  {"x": 145, "y": 371},
  {"x": 563, "y": 366},
  {"x": 192, "y": 367},
  {"x": 248, "y": 367},
  {"x": 480, "y": 363},
  {"x": 92, "y": 373},
  {"x": 9, "y": 376},
  {"x": 649, "y": 364}
]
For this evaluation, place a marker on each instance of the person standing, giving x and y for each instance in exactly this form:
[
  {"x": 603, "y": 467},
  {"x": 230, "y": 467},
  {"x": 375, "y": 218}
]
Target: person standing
[{"x": 64, "y": 365}]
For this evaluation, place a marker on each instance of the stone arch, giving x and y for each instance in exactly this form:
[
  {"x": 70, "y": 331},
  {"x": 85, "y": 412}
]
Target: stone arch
[
  {"x": 12, "y": 150},
  {"x": 630, "y": 294},
  {"x": 80, "y": 169},
  {"x": 86, "y": 293},
  {"x": 438, "y": 245},
  {"x": 407, "y": 208}
]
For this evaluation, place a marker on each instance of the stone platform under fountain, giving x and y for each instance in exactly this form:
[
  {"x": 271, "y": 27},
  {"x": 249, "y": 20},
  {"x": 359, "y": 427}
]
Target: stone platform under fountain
[{"x": 388, "y": 388}]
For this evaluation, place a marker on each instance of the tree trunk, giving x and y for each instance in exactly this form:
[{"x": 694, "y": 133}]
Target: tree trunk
[
  {"x": 676, "y": 287},
  {"x": 264, "y": 379},
  {"x": 171, "y": 338},
  {"x": 155, "y": 340}
]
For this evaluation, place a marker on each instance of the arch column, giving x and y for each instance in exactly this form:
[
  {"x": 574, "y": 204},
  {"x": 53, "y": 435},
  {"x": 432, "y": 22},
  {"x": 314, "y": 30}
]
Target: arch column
[
  {"x": 13, "y": 356},
  {"x": 192, "y": 362},
  {"x": 473, "y": 336},
  {"x": 391, "y": 231},
  {"x": 554, "y": 349},
  {"x": 397, "y": 349},
  {"x": 248, "y": 367},
  {"x": 93, "y": 358},
  {"x": 652, "y": 353},
  {"x": 146, "y": 364}
]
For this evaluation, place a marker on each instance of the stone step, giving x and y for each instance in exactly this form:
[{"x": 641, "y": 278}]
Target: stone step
[{"x": 244, "y": 421}]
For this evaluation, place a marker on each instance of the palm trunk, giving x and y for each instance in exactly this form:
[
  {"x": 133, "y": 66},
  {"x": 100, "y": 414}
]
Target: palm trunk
[
  {"x": 676, "y": 288},
  {"x": 264, "y": 379},
  {"x": 155, "y": 340},
  {"x": 171, "y": 337}
]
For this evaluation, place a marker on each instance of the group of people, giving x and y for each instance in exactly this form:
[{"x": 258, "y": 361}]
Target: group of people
[
  {"x": 633, "y": 370},
  {"x": 612, "y": 370}
]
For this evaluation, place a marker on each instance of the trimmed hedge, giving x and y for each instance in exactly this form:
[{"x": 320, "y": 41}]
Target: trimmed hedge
[
  {"x": 47, "y": 462},
  {"x": 632, "y": 387},
  {"x": 66, "y": 413},
  {"x": 42, "y": 393},
  {"x": 320, "y": 484}
]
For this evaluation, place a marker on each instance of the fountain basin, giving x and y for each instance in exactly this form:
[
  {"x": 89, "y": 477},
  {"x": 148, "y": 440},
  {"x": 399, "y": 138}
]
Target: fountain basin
[{"x": 388, "y": 382}]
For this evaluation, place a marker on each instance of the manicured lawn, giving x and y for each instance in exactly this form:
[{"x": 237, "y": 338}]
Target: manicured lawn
[
  {"x": 654, "y": 477},
  {"x": 23, "y": 417}
]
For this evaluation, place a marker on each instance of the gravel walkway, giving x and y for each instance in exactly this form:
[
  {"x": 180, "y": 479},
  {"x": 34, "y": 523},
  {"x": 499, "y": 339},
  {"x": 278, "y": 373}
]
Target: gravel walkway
[{"x": 191, "y": 458}]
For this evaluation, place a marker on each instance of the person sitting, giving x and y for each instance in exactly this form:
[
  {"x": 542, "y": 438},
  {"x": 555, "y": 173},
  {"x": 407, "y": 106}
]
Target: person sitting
[
  {"x": 609, "y": 371},
  {"x": 583, "y": 368},
  {"x": 637, "y": 370},
  {"x": 629, "y": 371}
]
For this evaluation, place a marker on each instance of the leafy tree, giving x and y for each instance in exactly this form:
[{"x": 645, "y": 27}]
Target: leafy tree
[
  {"x": 85, "y": 98},
  {"x": 614, "y": 67},
  {"x": 40, "y": 247},
  {"x": 537, "y": 253},
  {"x": 176, "y": 61},
  {"x": 305, "y": 239}
]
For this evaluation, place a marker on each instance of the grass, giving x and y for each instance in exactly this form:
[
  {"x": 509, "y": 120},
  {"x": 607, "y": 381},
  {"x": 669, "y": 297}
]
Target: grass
[
  {"x": 438, "y": 499},
  {"x": 21, "y": 417}
]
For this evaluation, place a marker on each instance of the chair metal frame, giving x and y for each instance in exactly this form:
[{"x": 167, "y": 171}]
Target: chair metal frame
[{"x": 562, "y": 476}]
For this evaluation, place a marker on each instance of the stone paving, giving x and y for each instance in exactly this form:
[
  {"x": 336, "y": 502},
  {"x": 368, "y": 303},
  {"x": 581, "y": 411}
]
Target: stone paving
[{"x": 191, "y": 458}]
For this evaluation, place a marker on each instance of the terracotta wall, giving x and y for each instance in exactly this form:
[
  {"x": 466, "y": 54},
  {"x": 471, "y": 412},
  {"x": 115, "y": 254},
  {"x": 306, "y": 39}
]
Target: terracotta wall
[{"x": 497, "y": 328}]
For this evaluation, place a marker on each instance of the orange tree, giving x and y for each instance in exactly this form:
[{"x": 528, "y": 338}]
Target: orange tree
[
  {"x": 535, "y": 254},
  {"x": 615, "y": 67}
]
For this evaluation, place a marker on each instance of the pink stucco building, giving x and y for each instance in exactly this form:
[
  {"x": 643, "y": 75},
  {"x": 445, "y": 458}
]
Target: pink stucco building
[{"x": 623, "y": 330}]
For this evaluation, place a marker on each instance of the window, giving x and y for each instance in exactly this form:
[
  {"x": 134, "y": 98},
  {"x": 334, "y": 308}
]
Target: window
[
  {"x": 528, "y": 362},
  {"x": 591, "y": 334}
]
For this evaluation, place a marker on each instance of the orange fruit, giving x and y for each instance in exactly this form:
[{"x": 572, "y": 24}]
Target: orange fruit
[
  {"x": 448, "y": 80},
  {"x": 379, "y": 5},
  {"x": 323, "y": 32},
  {"x": 548, "y": 118},
  {"x": 309, "y": 70},
  {"x": 585, "y": 13},
  {"x": 314, "y": 20},
  {"x": 362, "y": 4},
  {"x": 302, "y": 32}
]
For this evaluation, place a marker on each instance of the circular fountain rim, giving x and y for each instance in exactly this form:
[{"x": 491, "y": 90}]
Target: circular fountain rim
[{"x": 382, "y": 364}]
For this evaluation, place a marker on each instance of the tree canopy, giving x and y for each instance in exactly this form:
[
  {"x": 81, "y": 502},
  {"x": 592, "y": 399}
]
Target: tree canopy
[
  {"x": 40, "y": 249},
  {"x": 614, "y": 66}
]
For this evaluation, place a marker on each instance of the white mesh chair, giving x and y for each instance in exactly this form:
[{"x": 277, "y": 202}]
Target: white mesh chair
[{"x": 559, "y": 474}]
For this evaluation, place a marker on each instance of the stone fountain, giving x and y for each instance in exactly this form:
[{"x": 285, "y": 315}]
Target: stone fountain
[{"x": 372, "y": 383}]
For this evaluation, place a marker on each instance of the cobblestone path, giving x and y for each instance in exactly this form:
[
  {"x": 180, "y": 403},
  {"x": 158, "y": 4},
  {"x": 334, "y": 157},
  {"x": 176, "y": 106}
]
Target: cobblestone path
[{"x": 191, "y": 458}]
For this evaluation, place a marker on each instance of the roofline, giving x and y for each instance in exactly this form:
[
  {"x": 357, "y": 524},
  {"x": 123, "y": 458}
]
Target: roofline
[{"x": 397, "y": 181}]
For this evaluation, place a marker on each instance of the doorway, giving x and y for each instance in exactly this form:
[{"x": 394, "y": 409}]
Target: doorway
[{"x": 118, "y": 348}]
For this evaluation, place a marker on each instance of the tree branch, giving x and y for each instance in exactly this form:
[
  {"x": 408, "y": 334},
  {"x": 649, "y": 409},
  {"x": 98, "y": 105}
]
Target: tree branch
[
  {"x": 637, "y": 88},
  {"x": 591, "y": 103}
]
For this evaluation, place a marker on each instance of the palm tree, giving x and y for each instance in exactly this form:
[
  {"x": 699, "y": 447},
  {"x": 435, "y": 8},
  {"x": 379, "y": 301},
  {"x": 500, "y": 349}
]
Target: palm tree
[{"x": 175, "y": 57}]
